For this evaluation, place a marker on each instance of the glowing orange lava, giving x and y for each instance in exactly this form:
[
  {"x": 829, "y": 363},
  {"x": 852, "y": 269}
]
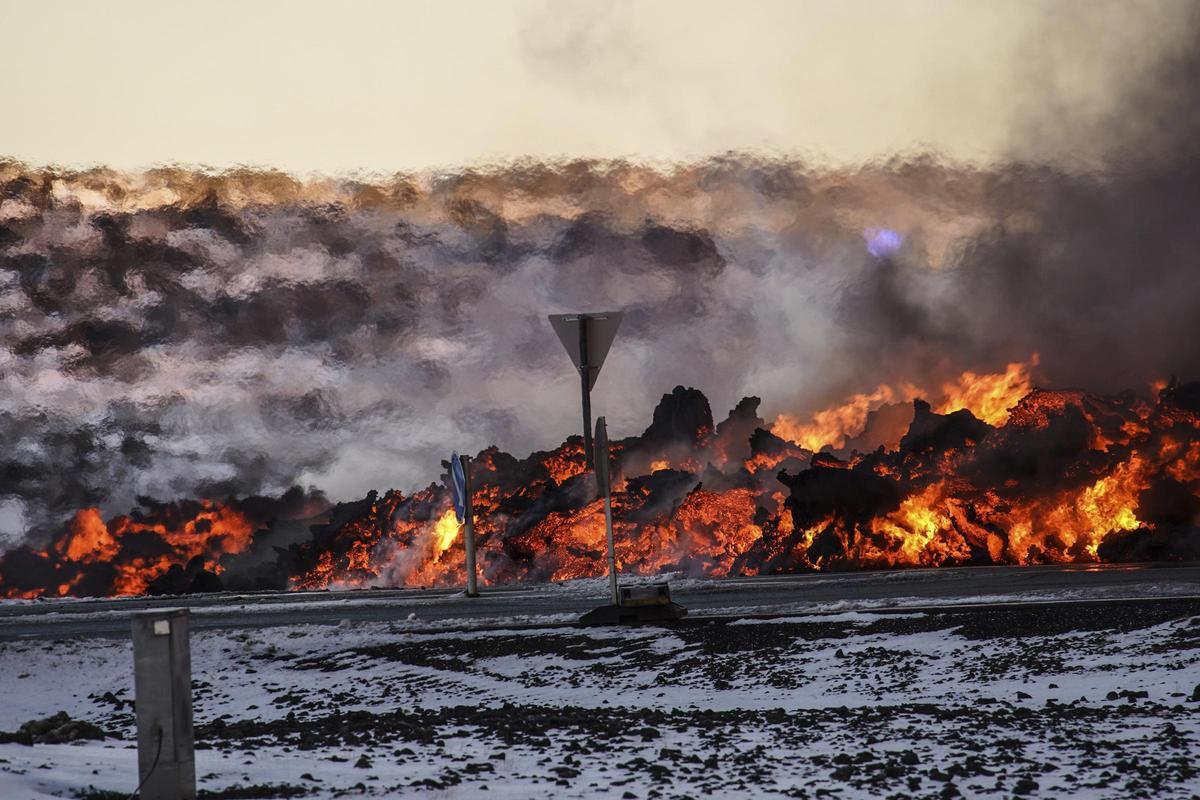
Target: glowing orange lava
[{"x": 1028, "y": 476}]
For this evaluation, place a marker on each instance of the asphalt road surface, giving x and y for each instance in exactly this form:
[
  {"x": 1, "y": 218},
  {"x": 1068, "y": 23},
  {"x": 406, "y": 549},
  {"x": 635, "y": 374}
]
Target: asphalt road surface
[{"x": 749, "y": 596}]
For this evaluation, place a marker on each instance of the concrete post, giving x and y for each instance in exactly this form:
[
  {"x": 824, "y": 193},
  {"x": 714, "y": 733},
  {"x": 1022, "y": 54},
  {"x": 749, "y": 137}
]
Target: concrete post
[{"x": 162, "y": 667}]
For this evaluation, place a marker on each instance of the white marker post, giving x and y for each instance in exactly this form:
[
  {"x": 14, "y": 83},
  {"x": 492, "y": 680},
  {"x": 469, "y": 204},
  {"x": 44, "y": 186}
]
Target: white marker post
[
  {"x": 602, "y": 483},
  {"x": 460, "y": 481}
]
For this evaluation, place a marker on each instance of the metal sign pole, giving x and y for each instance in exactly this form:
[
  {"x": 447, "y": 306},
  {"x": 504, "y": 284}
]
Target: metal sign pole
[
  {"x": 469, "y": 529},
  {"x": 602, "y": 478},
  {"x": 586, "y": 384},
  {"x": 586, "y": 338}
]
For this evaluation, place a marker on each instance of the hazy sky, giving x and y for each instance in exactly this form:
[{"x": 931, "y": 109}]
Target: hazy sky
[{"x": 338, "y": 86}]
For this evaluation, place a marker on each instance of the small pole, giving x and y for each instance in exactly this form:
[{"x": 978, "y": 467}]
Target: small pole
[
  {"x": 602, "y": 479},
  {"x": 586, "y": 385},
  {"x": 469, "y": 529},
  {"x": 612, "y": 556}
]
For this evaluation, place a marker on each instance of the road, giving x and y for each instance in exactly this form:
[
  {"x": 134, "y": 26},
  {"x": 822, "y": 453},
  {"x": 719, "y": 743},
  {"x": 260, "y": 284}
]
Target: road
[{"x": 750, "y": 596}]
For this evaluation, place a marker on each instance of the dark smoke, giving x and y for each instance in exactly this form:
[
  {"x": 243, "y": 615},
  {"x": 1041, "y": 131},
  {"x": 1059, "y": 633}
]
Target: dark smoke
[{"x": 1095, "y": 271}]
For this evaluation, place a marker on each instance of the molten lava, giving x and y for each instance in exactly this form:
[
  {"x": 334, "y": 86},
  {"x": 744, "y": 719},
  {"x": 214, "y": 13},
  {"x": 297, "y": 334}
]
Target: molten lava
[
  {"x": 126, "y": 555},
  {"x": 999, "y": 473}
]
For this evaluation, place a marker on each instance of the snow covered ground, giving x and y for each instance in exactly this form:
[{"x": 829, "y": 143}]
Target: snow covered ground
[{"x": 1064, "y": 700}]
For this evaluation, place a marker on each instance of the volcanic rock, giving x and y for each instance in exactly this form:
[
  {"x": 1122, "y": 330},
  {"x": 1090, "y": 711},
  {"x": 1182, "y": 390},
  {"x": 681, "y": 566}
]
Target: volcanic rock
[
  {"x": 763, "y": 442},
  {"x": 1168, "y": 502},
  {"x": 1185, "y": 396},
  {"x": 683, "y": 416},
  {"x": 931, "y": 432},
  {"x": 733, "y": 437},
  {"x": 58, "y": 729},
  {"x": 1164, "y": 543},
  {"x": 828, "y": 486},
  {"x": 885, "y": 427},
  {"x": 665, "y": 489},
  {"x": 1045, "y": 446},
  {"x": 188, "y": 579},
  {"x": 1025, "y": 786}
]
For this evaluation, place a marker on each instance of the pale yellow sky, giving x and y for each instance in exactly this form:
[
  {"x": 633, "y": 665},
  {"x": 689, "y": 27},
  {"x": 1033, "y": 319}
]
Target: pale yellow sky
[{"x": 342, "y": 86}]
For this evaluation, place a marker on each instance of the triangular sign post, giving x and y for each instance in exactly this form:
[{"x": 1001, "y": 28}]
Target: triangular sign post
[{"x": 587, "y": 339}]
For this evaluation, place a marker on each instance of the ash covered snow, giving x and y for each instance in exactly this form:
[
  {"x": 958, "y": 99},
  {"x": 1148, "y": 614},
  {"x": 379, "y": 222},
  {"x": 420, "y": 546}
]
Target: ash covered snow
[{"x": 1070, "y": 700}]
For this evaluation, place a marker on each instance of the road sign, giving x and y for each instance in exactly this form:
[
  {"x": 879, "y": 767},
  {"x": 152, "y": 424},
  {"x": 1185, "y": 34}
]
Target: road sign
[
  {"x": 458, "y": 482},
  {"x": 587, "y": 338}
]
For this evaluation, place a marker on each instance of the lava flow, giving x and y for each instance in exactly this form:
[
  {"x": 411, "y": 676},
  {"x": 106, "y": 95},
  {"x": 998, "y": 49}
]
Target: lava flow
[{"x": 993, "y": 472}]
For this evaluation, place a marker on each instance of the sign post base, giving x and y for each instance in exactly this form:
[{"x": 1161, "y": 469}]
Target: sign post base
[
  {"x": 633, "y": 615},
  {"x": 639, "y": 604}
]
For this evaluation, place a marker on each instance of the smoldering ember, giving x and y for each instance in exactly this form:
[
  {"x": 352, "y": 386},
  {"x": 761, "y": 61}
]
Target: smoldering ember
[{"x": 1005, "y": 474}]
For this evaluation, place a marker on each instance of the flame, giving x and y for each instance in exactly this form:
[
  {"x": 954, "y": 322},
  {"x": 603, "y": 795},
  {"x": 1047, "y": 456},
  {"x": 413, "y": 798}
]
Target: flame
[
  {"x": 1078, "y": 521},
  {"x": 445, "y": 531},
  {"x": 88, "y": 538},
  {"x": 832, "y": 426},
  {"x": 139, "y": 551},
  {"x": 918, "y": 533},
  {"x": 989, "y": 397}
]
